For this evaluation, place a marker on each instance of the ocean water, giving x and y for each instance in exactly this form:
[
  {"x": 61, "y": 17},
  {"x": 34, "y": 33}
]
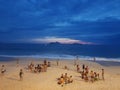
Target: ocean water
[{"x": 60, "y": 51}]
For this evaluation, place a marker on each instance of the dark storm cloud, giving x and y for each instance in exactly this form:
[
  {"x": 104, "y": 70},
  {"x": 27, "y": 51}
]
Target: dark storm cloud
[{"x": 88, "y": 20}]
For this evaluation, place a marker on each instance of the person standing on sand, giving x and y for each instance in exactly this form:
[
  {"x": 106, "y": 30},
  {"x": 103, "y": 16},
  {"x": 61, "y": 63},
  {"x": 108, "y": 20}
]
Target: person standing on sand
[
  {"x": 21, "y": 74},
  {"x": 83, "y": 67},
  {"x": 3, "y": 70},
  {"x": 103, "y": 74}
]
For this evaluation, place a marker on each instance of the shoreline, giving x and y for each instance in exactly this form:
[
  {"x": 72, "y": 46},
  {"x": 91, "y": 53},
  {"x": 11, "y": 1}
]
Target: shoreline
[
  {"x": 107, "y": 63},
  {"x": 101, "y": 62}
]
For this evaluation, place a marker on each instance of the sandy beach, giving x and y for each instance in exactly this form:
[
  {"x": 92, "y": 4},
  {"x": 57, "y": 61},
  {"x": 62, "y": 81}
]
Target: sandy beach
[{"x": 48, "y": 80}]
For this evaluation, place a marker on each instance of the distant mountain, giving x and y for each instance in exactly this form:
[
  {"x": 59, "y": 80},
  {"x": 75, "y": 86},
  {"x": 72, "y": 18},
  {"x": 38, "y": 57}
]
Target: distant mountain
[{"x": 57, "y": 43}]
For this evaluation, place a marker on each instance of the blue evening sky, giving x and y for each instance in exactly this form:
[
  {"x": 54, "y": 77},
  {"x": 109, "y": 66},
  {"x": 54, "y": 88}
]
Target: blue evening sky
[{"x": 82, "y": 21}]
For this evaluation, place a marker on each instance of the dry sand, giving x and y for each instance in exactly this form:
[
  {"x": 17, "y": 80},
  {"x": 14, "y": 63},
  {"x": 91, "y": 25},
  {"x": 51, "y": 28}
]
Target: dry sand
[{"x": 48, "y": 80}]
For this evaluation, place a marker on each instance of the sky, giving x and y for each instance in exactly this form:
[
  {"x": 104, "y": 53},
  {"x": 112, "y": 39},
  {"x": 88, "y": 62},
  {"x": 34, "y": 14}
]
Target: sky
[{"x": 64, "y": 21}]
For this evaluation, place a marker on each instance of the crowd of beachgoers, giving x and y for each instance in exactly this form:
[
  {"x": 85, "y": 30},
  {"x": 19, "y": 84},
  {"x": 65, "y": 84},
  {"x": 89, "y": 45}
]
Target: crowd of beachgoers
[{"x": 85, "y": 73}]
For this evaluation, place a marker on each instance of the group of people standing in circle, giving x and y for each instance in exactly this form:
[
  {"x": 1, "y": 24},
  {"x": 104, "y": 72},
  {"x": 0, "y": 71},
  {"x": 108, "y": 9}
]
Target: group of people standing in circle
[{"x": 88, "y": 75}]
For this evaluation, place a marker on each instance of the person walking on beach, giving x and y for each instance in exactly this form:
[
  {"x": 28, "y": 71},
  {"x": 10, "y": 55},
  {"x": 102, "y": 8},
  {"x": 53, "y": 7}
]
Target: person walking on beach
[
  {"x": 3, "y": 70},
  {"x": 103, "y": 74},
  {"x": 21, "y": 74}
]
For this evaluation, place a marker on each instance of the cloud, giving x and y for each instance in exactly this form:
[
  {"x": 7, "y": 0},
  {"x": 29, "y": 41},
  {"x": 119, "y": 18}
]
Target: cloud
[
  {"x": 60, "y": 40},
  {"x": 79, "y": 19}
]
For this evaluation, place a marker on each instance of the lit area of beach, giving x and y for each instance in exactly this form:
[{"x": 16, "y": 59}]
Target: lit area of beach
[{"x": 49, "y": 80}]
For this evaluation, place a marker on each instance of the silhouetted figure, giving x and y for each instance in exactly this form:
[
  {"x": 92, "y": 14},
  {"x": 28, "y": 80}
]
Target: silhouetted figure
[
  {"x": 21, "y": 74},
  {"x": 83, "y": 66}
]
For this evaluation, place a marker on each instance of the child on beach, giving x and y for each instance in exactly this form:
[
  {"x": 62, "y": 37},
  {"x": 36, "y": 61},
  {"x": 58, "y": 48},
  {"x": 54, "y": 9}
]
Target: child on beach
[{"x": 21, "y": 74}]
